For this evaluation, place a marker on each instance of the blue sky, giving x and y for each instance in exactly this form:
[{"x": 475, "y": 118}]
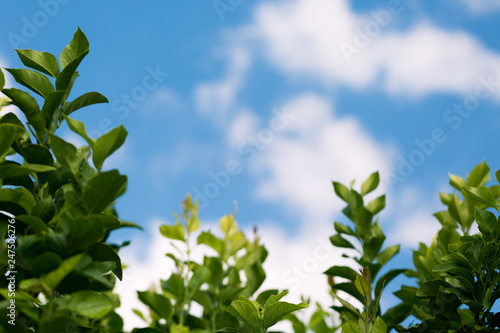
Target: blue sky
[{"x": 358, "y": 87}]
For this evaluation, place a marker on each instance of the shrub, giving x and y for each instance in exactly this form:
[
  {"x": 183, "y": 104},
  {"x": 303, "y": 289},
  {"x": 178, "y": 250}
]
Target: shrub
[{"x": 57, "y": 204}]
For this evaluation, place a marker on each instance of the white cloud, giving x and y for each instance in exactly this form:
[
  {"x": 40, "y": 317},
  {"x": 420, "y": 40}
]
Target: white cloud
[
  {"x": 297, "y": 166},
  {"x": 162, "y": 100},
  {"x": 219, "y": 96},
  {"x": 482, "y": 6},
  {"x": 243, "y": 125},
  {"x": 303, "y": 39}
]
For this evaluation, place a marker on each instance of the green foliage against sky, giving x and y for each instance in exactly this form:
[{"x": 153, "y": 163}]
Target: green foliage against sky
[{"x": 57, "y": 207}]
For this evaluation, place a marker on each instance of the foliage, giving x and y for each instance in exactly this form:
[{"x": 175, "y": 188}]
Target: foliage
[
  {"x": 57, "y": 247},
  {"x": 57, "y": 212},
  {"x": 457, "y": 276},
  {"x": 234, "y": 270}
]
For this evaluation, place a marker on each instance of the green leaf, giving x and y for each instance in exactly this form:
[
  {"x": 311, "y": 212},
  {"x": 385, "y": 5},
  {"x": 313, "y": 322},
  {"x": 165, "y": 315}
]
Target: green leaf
[
  {"x": 385, "y": 279},
  {"x": 9, "y": 170},
  {"x": 87, "y": 99},
  {"x": 90, "y": 304},
  {"x": 370, "y": 184},
  {"x": 8, "y": 133},
  {"x": 350, "y": 327},
  {"x": 52, "y": 279},
  {"x": 19, "y": 196},
  {"x": 44, "y": 209},
  {"x": 245, "y": 311},
  {"x": 77, "y": 48},
  {"x": 277, "y": 311},
  {"x": 79, "y": 128},
  {"x": 339, "y": 241},
  {"x": 104, "y": 252},
  {"x": 107, "y": 144},
  {"x": 486, "y": 221},
  {"x": 193, "y": 223},
  {"x": 376, "y": 205},
  {"x": 175, "y": 328},
  {"x": 52, "y": 102},
  {"x": 158, "y": 303},
  {"x": 200, "y": 276},
  {"x": 480, "y": 175},
  {"x": 497, "y": 175},
  {"x": 386, "y": 255},
  {"x": 487, "y": 296},
  {"x": 174, "y": 287},
  {"x": 457, "y": 182},
  {"x": 102, "y": 190},
  {"x": 341, "y": 271},
  {"x": 363, "y": 286},
  {"x": 41, "y": 61},
  {"x": 28, "y": 105},
  {"x": 2, "y": 80},
  {"x": 380, "y": 326},
  {"x": 343, "y": 229},
  {"x": 33, "y": 222},
  {"x": 173, "y": 231},
  {"x": 481, "y": 194},
  {"x": 67, "y": 155},
  {"x": 67, "y": 77},
  {"x": 429, "y": 289},
  {"x": 459, "y": 211},
  {"x": 275, "y": 298},
  {"x": 36, "y": 82},
  {"x": 348, "y": 305},
  {"x": 342, "y": 192},
  {"x": 207, "y": 238}
]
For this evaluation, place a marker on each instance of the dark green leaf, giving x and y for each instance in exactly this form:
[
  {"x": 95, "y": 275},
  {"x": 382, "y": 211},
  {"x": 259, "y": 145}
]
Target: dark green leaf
[
  {"x": 90, "y": 304},
  {"x": 385, "y": 279},
  {"x": 104, "y": 252},
  {"x": 41, "y": 61},
  {"x": 52, "y": 102},
  {"x": 107, "y": 144},
  {"x": 67, "y": 155},
  {"x": 200, "y": 276},
  {"x": 277, "y": 311},
  {"x": 246, "y": 312},
  {"x": 486, "y": 221},
  {"x": 79, "y": 128},
  {"x": 36, "y": 82},
  {"x": 341, "y": 271},
  {"x": 158, "y": 303},
  {"x": 339, "y": 241},
  {"x": 102, "y": 190},
  {"x": 386, "y": 255},
  {"x": 87, "y": 99},
  {"x": 28, "y": 105},
  {"x": 52, "y": 279},
  {"x": 77, "y": 48}
]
